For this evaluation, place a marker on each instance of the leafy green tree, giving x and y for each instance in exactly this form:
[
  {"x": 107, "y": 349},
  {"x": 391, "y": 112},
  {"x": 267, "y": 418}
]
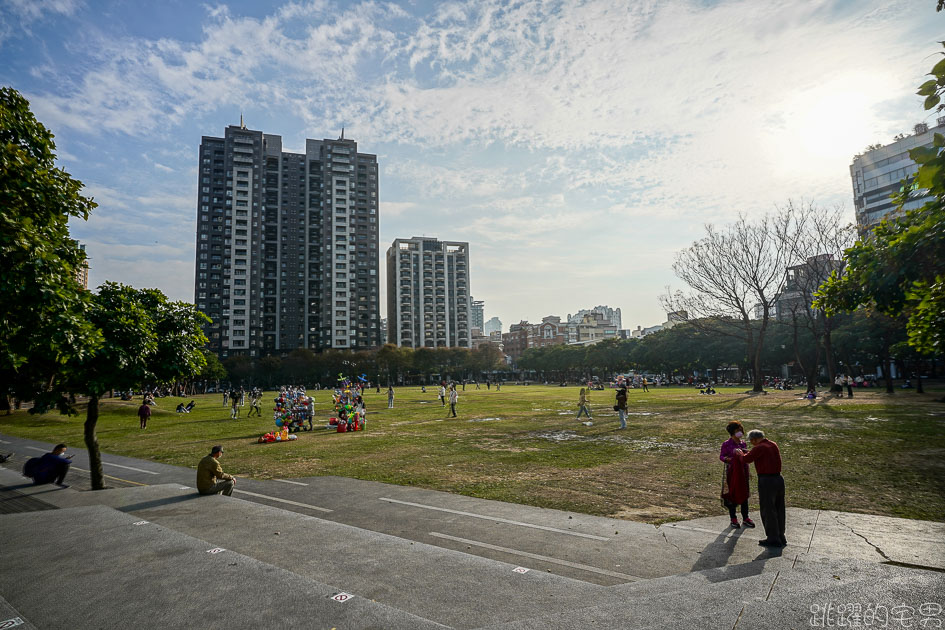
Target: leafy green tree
[
  {"x": 239, "y": 368},
  {"x": 212, "y": 369},
  {"x": 900, "y": 266},
  {"x": 145, "y": 339},
  {"x": 299, "y": 366},
  {"x": 43, "y": 310},
  {"x": 269, "y": 370}
]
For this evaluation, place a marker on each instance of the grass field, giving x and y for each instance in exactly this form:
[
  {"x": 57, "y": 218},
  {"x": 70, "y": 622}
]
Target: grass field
[{"x": 874, "y": 453}]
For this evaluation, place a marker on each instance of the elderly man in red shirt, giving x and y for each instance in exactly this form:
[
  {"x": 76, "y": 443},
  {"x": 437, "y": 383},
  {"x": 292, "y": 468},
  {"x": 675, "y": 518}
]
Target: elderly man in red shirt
[{"x": 767, "y": 458}]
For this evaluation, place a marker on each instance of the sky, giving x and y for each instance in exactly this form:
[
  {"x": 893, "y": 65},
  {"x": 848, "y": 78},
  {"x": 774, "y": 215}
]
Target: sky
[{"x": 577, "y": 145}]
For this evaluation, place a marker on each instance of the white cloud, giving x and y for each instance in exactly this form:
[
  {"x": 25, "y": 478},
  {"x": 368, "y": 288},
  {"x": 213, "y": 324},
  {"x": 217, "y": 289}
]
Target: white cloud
[
  {"x": 535, "y": 126},
  {"x": 30, "y": 10},
  {"x": 396, "y": 208}
]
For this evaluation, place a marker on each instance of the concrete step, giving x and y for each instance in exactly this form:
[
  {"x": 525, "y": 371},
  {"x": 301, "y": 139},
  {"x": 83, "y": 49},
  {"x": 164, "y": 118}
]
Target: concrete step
[
  {"x": 448, "y": 586},
  {"x": 780, "y": 596},
  {"x": 96, "y": 567}
]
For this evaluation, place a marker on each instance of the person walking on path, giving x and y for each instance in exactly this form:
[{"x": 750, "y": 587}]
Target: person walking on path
[
  {"x": 144, "y": 412},
  {"x": 210, "y": 476},
  {"x": 645, "y": 383},
  {"x": 582, "y": 405},
  {"x": 443, "y": 395},
  {"x": 849, "y": 382},
  {"x": 735, "y": 478},
  {"x": 767, "y": 458},
  {"x": 454, "y": 397},
  {"x": 254, "y": 405},
  {"x": 621, "y": 406},
  {"x": 390, "y": 396}
]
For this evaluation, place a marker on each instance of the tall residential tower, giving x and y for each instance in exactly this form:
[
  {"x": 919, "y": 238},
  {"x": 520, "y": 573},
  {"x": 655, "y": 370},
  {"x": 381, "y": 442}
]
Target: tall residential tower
[
  {"x": 878, "y": 173},
  {"x": 428, "y": 303},
  {"x": 287, "y": 245}
]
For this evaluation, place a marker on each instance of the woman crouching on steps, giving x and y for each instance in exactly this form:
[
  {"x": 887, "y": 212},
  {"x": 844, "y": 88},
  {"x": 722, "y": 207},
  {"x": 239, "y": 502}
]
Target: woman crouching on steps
[{"x": 735, "y": 478}]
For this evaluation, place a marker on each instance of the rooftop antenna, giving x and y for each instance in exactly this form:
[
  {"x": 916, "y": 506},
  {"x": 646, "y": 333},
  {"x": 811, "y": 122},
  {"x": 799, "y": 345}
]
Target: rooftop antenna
[
  {"x": 342, "y": 134},
  {"x": 242, "y": 126}
]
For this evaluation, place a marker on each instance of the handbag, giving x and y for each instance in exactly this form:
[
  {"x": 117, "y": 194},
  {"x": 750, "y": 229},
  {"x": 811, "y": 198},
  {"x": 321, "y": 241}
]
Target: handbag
[{"x": 616, "y": 408}]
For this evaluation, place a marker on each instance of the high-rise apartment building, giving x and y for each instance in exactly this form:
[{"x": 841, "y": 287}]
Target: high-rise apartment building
[
  {"x": 494, "y": 325},
  {"x": 82, "y": 272},
  {"x": 612, "y": 315},
  {"x": 878, "y": 173},
  {"x": 287, "y": 245},
  {"x": 476, "y": 316},
  {"x": 428, "y": 301}
]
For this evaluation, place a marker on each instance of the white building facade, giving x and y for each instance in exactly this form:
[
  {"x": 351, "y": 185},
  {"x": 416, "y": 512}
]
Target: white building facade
[
  {"x": 428, "y": 303},
  {"x": 878, "y": 173}
]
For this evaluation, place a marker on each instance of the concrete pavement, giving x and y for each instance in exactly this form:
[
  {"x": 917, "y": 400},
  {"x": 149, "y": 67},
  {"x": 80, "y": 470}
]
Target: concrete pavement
[{"x": 453, "y": 560}]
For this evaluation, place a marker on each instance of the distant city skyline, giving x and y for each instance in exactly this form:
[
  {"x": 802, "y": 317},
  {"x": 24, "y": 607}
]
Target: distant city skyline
[{"x": 576, "y": 147}]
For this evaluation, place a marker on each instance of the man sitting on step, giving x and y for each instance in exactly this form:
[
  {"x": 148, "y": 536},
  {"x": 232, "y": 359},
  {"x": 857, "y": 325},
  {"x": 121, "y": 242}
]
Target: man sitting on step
[
  {"x": 51, "y": 467},
  {"x": 210, "y": 476}
]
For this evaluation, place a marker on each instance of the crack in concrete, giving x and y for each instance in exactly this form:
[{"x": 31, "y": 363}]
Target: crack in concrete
[
  {"x": 865, "y": 539},
  {"x": 773, "y": 582},
  {"x": 675, "y": 546},
  {"x": 813, "y": 529}
]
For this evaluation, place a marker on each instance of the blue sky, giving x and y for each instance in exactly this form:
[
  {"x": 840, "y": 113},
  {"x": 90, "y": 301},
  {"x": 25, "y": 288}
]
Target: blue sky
[{"x": 575, "y": 144}]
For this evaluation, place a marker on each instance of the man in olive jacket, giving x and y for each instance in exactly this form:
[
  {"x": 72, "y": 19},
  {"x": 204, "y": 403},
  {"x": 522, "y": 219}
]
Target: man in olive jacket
[{"x": 210, "y": 476}]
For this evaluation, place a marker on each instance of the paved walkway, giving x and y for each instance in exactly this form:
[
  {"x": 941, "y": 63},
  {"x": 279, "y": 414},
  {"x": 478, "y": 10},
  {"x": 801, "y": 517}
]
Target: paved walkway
[
  {"x": 594, "y": 549},
  {"x": 430, "y": 558}
]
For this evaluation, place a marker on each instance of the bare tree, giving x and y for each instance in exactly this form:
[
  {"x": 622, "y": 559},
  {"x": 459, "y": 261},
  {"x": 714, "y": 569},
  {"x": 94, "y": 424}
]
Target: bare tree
[
  {"x": 735, "y": 275},
  {"x": 815, "y": 239}
]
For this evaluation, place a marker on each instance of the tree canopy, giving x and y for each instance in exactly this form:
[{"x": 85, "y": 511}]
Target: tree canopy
[
  {"x": 43, "y": 323},
  {"x": 899, "y": 267}
]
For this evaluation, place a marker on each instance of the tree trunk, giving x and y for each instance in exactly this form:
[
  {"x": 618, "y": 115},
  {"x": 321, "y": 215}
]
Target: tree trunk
[
  {"x": 887, "y": 373},
  {"x": 831, "y": 361},
  {"x": 91, "y": 443},
  {"x": 758, "y": 381}
]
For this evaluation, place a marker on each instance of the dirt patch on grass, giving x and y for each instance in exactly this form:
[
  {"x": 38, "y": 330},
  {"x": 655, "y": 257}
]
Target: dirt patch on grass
[{"x": 653, "y": 513}]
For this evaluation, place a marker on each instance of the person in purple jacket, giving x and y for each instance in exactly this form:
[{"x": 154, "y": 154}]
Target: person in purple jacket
[{"x": 729, "y": 446}]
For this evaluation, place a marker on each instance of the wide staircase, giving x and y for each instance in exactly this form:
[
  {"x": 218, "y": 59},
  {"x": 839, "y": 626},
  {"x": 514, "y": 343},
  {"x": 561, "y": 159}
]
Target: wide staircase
[{"x": 161, "y": 556}]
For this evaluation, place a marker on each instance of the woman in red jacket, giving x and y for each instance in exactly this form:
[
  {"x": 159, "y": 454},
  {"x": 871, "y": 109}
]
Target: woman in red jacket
[{"x": 735, "y": 478}]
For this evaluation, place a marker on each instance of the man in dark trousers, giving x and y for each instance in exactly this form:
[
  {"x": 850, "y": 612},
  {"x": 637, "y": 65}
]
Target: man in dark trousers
[
  {"x": 210, "y": 476},
  {"x": 767, "y": 458},
  {"x": 52, "y": 467}
]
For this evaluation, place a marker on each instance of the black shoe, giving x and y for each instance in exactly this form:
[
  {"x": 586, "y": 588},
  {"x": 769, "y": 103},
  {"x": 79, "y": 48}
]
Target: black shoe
[
  {"x": 748, "y": 522},
  {"x": 768, "y": 543}
]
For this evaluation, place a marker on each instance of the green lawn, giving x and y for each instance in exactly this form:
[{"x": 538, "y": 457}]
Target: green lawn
[{"x": 875, "y": 453}]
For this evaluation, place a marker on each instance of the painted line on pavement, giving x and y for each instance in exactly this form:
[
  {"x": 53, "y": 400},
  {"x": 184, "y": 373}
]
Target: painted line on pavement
[
  {"x": 109, "y": 476},
  {"x": 535, "y": 556},
  {"x": 104, "y": 463},
  {"x": 149, "y": 472},
  {"x": 269, "y": 498},
  {"x": 297, "y": 483},
  {"x": 497, "y": 519}
]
